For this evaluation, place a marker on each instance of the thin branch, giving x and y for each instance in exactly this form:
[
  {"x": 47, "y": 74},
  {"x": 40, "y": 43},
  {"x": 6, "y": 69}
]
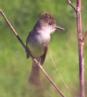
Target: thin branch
[
  {"x": 81, "y": 39},
  {"x": 12, "y": 28},
  {"x": 80, "y": 48},
  {"x": 35, "y": 60},
  {"x": 70, "y": 3},
  {"x": 49, "y": 78}
]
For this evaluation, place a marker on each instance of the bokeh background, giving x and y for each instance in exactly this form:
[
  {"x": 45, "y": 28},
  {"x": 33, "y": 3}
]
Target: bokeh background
[{"x": 62, "y": 59}]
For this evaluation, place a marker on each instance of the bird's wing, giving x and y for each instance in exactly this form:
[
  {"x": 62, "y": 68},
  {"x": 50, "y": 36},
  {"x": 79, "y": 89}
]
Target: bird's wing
[
  {"x": 44, "y": 55},
  {"x": 27, "y": 52}
]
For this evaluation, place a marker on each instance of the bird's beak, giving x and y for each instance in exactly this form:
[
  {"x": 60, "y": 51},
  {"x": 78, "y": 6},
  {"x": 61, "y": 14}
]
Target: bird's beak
[{"x": 60, "y": 28}]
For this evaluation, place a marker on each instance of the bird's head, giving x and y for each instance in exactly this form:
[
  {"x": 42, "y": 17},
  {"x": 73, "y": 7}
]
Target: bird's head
[{"x": 48, "y": 22}]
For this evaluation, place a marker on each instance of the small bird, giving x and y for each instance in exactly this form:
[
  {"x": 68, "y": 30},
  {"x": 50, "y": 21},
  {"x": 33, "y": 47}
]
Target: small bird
[{"x": 37, "y": 42}]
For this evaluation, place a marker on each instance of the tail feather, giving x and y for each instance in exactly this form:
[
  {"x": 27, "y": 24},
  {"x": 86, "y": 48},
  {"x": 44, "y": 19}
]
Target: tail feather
[{"x": 35, "y": 75}]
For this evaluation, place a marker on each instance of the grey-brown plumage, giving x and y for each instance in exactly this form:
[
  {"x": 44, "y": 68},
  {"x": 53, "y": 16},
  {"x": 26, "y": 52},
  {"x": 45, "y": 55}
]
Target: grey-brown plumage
[{"x": 37, "y": 42}]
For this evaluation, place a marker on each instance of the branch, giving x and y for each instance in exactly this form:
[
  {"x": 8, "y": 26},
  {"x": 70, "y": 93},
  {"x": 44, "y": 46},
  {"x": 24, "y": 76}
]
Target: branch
[
  {"x": 49, "y": 78},
  {"x": 35, "y": 60},
  {"x": 70, "y": 3},
  {"x": 81, "y": 39},
  {"x": 12, "y": 28},
  {"x": 80, "y": 48}
]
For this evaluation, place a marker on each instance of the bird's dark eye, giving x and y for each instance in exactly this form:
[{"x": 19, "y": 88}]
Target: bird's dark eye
[{"x": 50, "y": 23}]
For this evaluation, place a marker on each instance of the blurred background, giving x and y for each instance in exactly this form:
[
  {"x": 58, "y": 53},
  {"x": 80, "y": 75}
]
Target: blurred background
[{"x": 62, "y": 59}]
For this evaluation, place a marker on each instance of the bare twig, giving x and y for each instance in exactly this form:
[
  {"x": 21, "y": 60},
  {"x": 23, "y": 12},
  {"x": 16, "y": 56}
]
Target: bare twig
[
  {"x": 12, "y": 28},
  {"x": 24, "y": 46},
  {"x": 70, "y": 3},
  {"x": 49, "y": 78},
  {"x": 81, "y": 49},
  {"x": 80, "y": 45}
]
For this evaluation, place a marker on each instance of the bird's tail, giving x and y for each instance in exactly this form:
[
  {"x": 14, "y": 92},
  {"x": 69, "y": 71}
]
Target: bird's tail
[{"x": 35, "y": 74}]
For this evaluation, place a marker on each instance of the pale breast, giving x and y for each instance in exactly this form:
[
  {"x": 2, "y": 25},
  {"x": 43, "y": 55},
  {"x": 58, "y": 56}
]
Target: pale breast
[
  {"x": 43, "y": 38},
  {"x": 37, "y": 43}
]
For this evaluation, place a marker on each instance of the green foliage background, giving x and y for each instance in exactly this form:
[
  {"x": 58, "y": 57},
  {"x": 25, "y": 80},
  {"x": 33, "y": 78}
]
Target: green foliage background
[{"x": 62, "y": 59}]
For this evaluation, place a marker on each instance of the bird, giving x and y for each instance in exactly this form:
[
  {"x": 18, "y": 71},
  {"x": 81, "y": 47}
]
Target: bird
[{"x": 38, "y": 41}]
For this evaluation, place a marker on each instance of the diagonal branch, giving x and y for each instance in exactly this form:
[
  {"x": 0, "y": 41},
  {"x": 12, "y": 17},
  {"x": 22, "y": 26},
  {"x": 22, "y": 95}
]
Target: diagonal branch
[
  {"x": 70, "y": 3},
  {"x": 12, "y": 28},
  {"x": 35, "y": 60},
  {"x": 49, "y": 78}
]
